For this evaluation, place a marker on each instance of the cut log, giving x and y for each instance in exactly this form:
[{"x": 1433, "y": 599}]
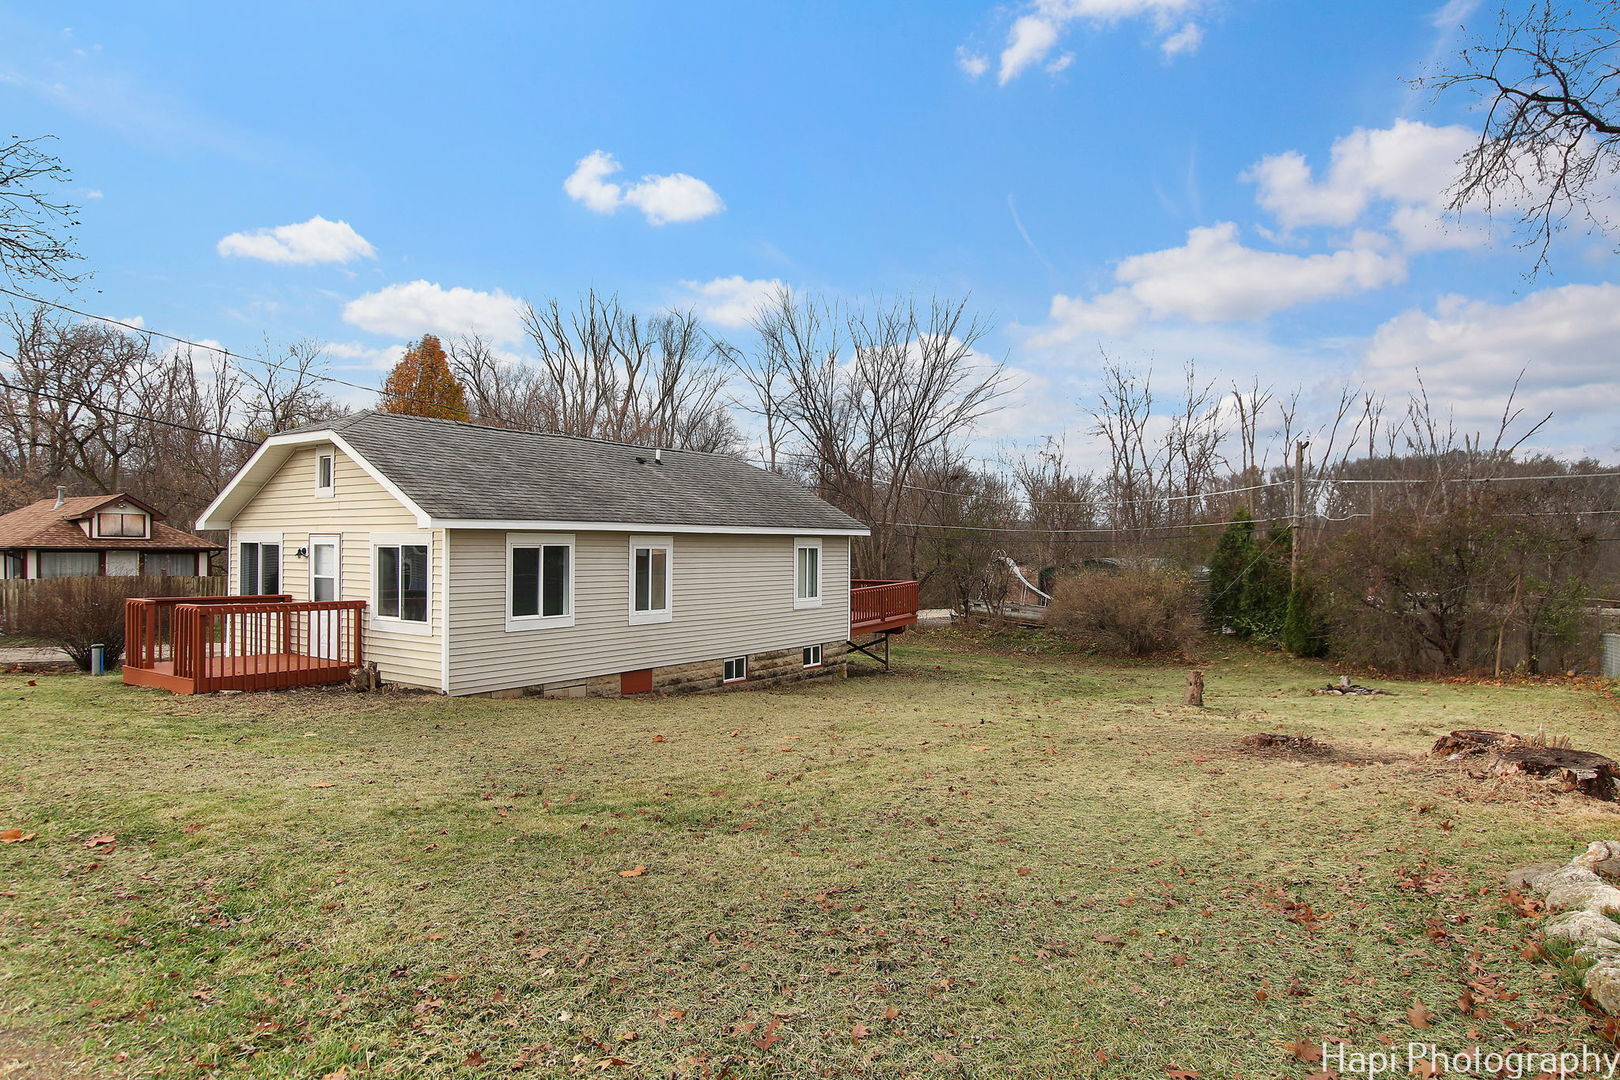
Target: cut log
[
  {"x": 1467, "y": 742},
  {"x": 1575, "y": 770},
  {"x": 1195, "y": 688}
]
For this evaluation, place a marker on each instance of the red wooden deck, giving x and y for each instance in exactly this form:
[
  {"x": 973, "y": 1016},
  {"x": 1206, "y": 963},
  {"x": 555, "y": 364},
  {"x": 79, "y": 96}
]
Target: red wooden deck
[
  {"x": 192, "y": 646},
  {"x": 881, "y": 606}
]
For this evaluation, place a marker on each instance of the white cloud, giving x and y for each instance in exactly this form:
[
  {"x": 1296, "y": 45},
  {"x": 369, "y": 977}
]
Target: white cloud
[
  {"x": 661, "y": 199},
  {"x": 1185, "y": 40},
  {"x": 1036, "y": 33},
  {"x": 314, "y": 241},
  {"x": 1213, "y": 277},
  {"x": 364, "y": 356},
  {"x": 1028, "y": 42},
  {"x": 973, "y": 64},
  {"x": 1470, "y": 352},
  {"x": 424, "y": 307},
  {"x": 731, "y": 301},
  {"x": 1408, "y": 165}
]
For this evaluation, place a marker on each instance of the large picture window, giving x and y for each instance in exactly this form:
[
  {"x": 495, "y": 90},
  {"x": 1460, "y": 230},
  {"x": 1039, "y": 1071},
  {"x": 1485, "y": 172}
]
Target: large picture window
[
  {"x": 402, "y": 582},
  {"x": 806, "y": 572},
  {"x": 258, "y": 567},
  {"x": 170, "y": 563},
  {"x": 651, "y": 559},
  {"x": 539, "y": 580},
  {"x": 55, "y": 564}
]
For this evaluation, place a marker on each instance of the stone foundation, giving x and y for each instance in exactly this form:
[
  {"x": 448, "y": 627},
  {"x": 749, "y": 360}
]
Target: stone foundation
[{"x": 764, "y": 669}]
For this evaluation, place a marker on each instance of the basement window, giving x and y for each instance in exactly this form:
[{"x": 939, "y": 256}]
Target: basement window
[
  {"x": 736, "y": 670},
  {"x": 812, "y": 656}
]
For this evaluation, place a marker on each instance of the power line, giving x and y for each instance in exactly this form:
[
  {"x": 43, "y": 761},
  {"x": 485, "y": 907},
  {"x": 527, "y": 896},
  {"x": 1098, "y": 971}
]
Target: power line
[
  {"x": 125, "y": 415},
  {"x": 222, "y": 351}
]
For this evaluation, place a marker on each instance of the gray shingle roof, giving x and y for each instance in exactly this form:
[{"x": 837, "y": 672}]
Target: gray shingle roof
[{"x": 469, "y": 472}]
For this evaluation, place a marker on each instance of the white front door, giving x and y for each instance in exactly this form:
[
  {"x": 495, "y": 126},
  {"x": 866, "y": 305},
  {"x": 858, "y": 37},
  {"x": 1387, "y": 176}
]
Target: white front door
[{"x": 325, "y": 570}]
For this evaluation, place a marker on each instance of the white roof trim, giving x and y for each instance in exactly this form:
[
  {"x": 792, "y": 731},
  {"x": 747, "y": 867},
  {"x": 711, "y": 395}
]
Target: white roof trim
[
  {"x": 635, "y": 527},
  {"x": 222, "y": 510}
]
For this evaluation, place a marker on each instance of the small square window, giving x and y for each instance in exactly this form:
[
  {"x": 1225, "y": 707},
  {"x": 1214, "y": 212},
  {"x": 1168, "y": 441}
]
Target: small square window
[
  {"x": 736, "y": 669},
  {"x": 812, "y": 656}
]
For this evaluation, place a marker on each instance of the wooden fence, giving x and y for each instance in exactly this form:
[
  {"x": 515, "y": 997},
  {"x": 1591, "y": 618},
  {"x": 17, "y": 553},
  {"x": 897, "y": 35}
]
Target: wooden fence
[{"x": 17, "y": 594}]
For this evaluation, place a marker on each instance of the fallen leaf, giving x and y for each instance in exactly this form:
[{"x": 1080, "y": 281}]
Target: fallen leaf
[
  {"x": 634, "y": 871},
  {"x": 105, "y": 841},
  {"x": 341, "y": 1073},
  {"x": 770, "y": 1037},
  {"x": 321, "y": 783},
  {"x": 1303, "y": 1050},
  {"x": 1419, "y": 1014},
  {"x": 859, "y": 1032},
  {"x": 15, "y": 836},
  {"x": 476, "y": 1058},
  {"x": 1023, "y": 870},
  {"x": 891, "y": 1012},
  {"x": 1176, "y": 1072}
]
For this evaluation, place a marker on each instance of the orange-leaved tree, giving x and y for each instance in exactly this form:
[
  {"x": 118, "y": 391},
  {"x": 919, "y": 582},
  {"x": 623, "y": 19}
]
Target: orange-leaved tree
[{"x": 422, "y": 384}]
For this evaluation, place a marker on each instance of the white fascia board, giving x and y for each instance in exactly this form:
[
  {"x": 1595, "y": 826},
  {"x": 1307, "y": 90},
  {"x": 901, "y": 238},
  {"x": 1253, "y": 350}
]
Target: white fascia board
[
  {"x": 220, "y": 512},
  {"x": 633, "y": 527}
]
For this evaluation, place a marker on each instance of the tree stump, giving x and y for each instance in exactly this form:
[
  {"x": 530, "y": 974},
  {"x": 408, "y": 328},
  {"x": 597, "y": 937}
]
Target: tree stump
[
  {"x": 1575, "y": 770},
  {"x": 1195, "y": 688},
  {"x": 1507, "y": 754},
  {"x": 365, "y": 678}
]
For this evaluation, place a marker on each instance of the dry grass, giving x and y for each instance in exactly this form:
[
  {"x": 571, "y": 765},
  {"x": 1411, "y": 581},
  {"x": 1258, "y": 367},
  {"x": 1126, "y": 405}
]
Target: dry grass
[{"x": 998, "y": 861}]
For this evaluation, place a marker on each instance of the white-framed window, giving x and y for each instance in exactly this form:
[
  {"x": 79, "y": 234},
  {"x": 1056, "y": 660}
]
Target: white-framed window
[
  {"x": 539, "y": 580},
  {"x": 325, "y": 474},
  {"x": 652, "y": 581},
  {"x": 807, "y": 572},
  {"x": 258, "y": 563},
  {"x": 812, "y": 656},
  {"x": 325, "y": 566},
  {"x": 736, "y": 670},
  {"x": 401, "y": 581}
]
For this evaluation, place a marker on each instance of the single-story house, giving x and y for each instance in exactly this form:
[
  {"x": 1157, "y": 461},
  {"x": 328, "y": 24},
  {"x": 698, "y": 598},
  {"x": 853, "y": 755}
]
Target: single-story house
[
  {"x": 96, "y": 535},
  {"x": 495, "y": 561}
]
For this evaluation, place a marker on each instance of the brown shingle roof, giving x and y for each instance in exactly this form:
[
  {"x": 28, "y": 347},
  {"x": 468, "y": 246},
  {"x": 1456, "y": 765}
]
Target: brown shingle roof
[{"x": 45, "y": 525}]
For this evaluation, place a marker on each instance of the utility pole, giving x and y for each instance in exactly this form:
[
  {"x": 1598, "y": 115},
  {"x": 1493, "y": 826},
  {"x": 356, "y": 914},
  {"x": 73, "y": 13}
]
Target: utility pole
[{"x": 1299, "y": 512}]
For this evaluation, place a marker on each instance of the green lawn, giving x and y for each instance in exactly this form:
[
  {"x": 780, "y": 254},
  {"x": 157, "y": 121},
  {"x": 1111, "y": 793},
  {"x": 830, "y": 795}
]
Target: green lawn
[{"x": 996, "y": 861}]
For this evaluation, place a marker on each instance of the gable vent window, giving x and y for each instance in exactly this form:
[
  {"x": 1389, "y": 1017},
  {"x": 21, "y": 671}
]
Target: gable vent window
[
  {"x": 325, "y": 474},
  {"x": 736, "y": 670},
  {"x": 116, "y": 524}
]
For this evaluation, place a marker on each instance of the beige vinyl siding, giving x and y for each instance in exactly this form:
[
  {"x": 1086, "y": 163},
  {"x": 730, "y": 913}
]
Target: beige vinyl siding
[
  {"x": 358, "y": 507},
  {"x": 733, "y": 595}
]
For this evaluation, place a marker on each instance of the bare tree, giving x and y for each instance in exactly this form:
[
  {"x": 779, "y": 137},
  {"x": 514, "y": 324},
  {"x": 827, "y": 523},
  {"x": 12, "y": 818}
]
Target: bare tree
[
  {"x": 34, "y": 228},
  {"x": 605, "y": 372},
  {"x": 286, "y": 390},
  {"x": 1549, "y": 142},
  {"x": 866, "y": 400}
]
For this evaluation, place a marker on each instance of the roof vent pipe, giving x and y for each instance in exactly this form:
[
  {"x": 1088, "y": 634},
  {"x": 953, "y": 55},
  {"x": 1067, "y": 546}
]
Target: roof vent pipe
[
  {"x": 658, "y": 455},
  {"x": 61, "y": 496}
]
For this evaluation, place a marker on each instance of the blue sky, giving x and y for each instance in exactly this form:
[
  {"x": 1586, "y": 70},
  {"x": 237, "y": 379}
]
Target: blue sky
[{"x": 1247, "y": 183}]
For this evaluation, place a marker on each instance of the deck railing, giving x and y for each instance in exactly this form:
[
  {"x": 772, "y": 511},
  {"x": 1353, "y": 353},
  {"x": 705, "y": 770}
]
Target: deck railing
[
  {"x": 241, "y": 642},
  {"x": 881, "y": 605},
  {"x": 149, "y": 624}
]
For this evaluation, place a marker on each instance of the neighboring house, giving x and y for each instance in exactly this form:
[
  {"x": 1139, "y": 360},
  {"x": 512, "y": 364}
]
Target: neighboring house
[
  {"x": 501, "y": 561},
  {"x": 96, "y": 535}
]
